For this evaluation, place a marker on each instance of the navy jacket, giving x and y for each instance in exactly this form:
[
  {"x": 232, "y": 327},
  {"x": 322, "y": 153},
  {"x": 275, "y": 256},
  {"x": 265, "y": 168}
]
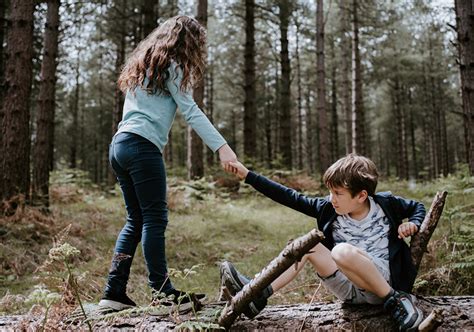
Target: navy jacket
[{"x": 402, "y": 270}]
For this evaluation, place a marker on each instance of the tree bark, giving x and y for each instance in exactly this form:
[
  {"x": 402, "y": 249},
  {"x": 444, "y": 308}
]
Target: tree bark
[
  {"x": 316, "y": 316},
  {"x": 250, "y": 110},
  {"x": 285, "y": 102},
  {"x": 465, "y": 32},
  {"x": 309, "y": 131},
  {"x": 346, "y": 90},
  {"x": 334, "y": 116},
  {"x": 195, "y": 145},
  {"x": 292, "y": 253},
  {"x": 46, "y": 101},
  {"x": 420, "y": 240},
  {"x": 15, "y": 167},
  {"x": 412, "y": 137},
  {"x": 3, "y": 5},
  {"x": 210, "y": 108},
  {"x": 321, "y": 90},
  {"x": 119, "y": 60},
  {"x": 150, "y": 16},
  {"x": 358, "y": 117},
  {"x": 75, "y": 117},
  {"x": 300, "y": 98}
]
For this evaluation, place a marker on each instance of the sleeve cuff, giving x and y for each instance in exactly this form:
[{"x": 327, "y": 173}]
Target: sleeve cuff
[{"x": 251, "y": 177}]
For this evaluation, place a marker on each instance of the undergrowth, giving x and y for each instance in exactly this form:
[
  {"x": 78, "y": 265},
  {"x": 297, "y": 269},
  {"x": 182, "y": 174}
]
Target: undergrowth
[{"x": 211, "y": 220}]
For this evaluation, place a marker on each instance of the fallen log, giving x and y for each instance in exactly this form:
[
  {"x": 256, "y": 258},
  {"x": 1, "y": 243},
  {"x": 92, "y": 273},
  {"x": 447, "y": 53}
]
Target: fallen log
[
  {"x": 456, "y": 313},
  {"x": 293, "y": 252}
]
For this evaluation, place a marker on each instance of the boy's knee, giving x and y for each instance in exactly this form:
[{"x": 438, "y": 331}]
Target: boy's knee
[{"x": 343, "y": 253}]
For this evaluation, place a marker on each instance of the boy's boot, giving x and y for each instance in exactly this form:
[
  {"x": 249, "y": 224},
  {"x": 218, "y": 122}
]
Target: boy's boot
[
  {"x": 234, "y": 282},
  {"x": 402, "y": 307}
]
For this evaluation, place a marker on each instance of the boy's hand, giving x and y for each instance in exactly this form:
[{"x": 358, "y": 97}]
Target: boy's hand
[
  {"x": 406, "y": 229},
  {"x": 239, "y": 169}
]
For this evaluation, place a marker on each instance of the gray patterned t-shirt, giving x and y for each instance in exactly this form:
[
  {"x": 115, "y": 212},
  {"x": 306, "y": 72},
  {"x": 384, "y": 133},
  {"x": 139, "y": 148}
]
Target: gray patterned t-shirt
[{"x": 369, "y": 234}]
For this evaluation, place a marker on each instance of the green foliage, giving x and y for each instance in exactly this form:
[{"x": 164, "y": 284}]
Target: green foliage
[{"x": 243, "y": 227}]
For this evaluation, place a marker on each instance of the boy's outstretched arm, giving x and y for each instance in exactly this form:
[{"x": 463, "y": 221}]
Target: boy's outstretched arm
[{"x": 279, "y": 193}]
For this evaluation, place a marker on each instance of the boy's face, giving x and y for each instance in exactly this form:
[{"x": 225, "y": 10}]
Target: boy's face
[{"x": 344, "y": 203}]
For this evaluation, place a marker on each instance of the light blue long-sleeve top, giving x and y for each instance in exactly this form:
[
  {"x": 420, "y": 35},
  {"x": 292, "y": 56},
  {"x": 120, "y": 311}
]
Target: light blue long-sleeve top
[{"x": 151, "y": 115}]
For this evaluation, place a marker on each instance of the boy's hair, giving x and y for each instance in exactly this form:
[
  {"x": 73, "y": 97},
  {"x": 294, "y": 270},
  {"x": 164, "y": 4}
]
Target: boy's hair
[{"x": 353, "y": 172}]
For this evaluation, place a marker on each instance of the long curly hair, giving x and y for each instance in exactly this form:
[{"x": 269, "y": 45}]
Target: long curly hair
[{"x": 180, "y": 39}]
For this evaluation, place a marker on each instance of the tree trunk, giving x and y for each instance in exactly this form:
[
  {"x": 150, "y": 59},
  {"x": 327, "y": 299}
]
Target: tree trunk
[
  {"x": 250, "y": 110},
  {"x": 195, "y": 146},
  {"x": 334, "y": 117},
  {"x": 15, "y": 167},
  {"x": 210, "y": 109},
  {"x": 285, "y": 102},
  {"x": 268, "y": 127},
  {"x": 465, "y": 32},
  {"x": 412, "y": 136},
  {"x": 119, "y": 60},
  {"x": 3, "y": 27},
  {"x": 309, "y": 131},
  {"x": 358, "y": 118},
  {"x": 443, "y": 131},
  {"x": 75, "y": 117},
  {"x": 321, "y": 90},
  {"x": 299, "y": 100},
  {"x": 150, "y": 16},
  {"x": 46, "y": 101},
  {"x": 346, "y": 90}
]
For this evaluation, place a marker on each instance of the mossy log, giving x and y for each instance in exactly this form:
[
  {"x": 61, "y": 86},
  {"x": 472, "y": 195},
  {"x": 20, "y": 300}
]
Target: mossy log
[{"x": 456, "y": 313}]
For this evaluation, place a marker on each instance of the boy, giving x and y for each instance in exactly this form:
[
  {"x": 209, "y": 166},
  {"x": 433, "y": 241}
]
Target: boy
[{"x": 363, "y": 258}]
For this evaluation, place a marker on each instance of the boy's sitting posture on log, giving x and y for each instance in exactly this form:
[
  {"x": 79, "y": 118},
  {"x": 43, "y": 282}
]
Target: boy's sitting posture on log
[{"x": 363, "y": 258}]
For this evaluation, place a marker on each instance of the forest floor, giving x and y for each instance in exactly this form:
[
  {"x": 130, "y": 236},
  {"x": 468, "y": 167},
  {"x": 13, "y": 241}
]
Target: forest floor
[{"x": 209, "y": 222}]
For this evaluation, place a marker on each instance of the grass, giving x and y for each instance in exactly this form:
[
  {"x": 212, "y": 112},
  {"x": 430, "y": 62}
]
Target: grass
[{"x": 245, "y": 228}]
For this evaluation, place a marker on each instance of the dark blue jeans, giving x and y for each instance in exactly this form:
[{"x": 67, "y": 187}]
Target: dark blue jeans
[{"x": 140, "y": 170}]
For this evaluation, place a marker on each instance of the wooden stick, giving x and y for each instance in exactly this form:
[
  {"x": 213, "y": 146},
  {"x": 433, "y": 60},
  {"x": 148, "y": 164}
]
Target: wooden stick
[
  {"x": 420, "y": 240},
  {"x": 292, "y": 252},
  {"x": 431, "y": 322}
]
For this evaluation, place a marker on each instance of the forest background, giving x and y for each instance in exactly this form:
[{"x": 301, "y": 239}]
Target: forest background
[{"x": 291, "y": 85}]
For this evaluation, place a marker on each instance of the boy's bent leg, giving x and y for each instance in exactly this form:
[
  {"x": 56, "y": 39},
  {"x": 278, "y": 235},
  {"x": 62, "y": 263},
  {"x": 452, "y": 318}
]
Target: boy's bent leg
[
  {"x": 319, "y": 257},
  {"x": 360, "y": 269}
]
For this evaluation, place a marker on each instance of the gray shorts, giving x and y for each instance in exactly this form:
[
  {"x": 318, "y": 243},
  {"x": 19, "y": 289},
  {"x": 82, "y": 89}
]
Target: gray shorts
[{"x": 346, "y": 291}]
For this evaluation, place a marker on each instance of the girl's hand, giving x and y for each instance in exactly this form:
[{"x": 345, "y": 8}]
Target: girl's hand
[
  {"x": 239, "y": 169},
  {"x": 227, "y": 155},
  {"x": 406, "y": 229}
]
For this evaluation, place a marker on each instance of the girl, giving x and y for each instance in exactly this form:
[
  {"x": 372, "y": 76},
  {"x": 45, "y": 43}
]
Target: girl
[{"x": 157, "y": 79}]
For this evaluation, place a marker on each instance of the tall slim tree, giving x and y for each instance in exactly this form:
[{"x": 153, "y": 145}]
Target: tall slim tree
[
  {"x": 465, "y": 32},
  {"x": 150, "y": 12},
  {"x": 15, "y": 162},
  {"x": 3, "y": 7},
  {"x": 324, "y": 148},
  {"x": 46, "y": 102},
  {"x": 75, "y": 100},
  {"x": 285, "y": 9},
  {"x": 334, "y": 117},
  {"x": 358, "y": 117},
  {"x": 250, "y": 109},
  {"x": 195, "y": 146},
  {"x": 299, "y": 105},
  {"x": 346, "y": 44},
  {"x": 120, "y": 48}
]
